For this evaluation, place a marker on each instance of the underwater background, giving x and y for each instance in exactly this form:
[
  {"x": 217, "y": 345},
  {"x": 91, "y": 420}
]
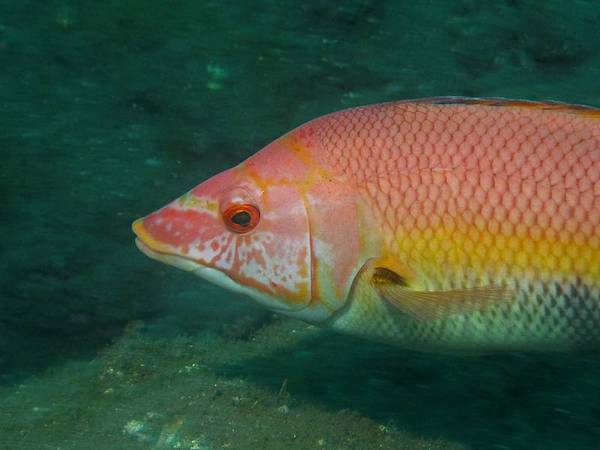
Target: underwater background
[{"x": 111, "y": 109}]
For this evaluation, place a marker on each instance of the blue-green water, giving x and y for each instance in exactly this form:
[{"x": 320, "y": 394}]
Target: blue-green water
[{"x": 110, "y": 109}]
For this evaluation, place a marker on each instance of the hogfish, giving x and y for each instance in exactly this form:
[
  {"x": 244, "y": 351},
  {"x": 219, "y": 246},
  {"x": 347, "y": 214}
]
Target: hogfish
[{"x": 436, "y": 224}]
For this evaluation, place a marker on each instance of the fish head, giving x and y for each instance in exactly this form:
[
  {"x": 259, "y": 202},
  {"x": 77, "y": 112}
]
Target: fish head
[{"x": 248, "y": 230}]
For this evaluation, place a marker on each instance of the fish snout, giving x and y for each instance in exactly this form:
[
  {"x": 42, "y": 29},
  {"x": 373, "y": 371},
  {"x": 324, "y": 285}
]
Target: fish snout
[
  {"x": 146, "y": 242},
  {"x": 144, "y": 238},
  {"x": 161, "y": 238}
]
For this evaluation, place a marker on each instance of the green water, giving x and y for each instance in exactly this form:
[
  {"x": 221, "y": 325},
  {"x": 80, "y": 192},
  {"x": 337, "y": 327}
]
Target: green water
[{"x": 110, "y": 109}]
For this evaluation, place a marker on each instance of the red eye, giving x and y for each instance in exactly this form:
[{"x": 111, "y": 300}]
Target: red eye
[{"x": 241, "y": 218}]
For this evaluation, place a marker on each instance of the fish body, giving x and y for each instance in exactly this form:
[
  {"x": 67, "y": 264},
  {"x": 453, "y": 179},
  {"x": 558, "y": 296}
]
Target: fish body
[{"x": 438, "y": 224}]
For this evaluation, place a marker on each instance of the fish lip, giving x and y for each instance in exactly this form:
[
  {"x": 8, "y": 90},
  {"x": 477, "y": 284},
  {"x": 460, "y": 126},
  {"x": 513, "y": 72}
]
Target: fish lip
[
  {"x": 181, "y": 262},
  {"x": 146, "y": 250}
]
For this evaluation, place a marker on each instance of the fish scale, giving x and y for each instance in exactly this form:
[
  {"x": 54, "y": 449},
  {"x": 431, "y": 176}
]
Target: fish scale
[
  {"x": 445, "y": 224},
  {"x": 482, "y": 195}
]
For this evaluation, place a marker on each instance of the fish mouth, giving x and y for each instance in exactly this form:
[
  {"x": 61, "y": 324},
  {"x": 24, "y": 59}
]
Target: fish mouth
[
  {"x": 168, "y": 258},
  {"x": 160, "y": 252}
]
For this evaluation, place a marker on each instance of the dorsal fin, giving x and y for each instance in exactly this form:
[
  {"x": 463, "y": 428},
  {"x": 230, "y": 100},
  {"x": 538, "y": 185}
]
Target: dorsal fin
[{"x": 588, "y": 111}]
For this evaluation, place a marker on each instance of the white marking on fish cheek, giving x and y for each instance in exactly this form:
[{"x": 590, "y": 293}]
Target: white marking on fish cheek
[
  {"x": 227, "y": 257},
  {"x": 282, "y": 266},
  {"x": 222, "y": 257},
  {"x": 249, "y": 266}
]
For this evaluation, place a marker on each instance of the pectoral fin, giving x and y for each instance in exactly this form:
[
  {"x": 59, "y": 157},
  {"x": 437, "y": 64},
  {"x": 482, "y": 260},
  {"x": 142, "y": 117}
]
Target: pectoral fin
[{"x": 432, "y": 305}]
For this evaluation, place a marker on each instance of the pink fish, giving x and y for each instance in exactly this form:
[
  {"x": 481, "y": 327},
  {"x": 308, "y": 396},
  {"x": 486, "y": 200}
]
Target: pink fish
[{"x": 436, "y": 224}]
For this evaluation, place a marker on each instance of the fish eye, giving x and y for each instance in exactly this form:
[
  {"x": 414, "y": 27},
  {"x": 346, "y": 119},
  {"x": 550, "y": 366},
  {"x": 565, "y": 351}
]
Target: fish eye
[{"x": 241, "y": 218}]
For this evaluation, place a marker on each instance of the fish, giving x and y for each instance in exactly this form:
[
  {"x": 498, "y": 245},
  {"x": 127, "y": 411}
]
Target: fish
[{"x": 439, "y": 224}]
